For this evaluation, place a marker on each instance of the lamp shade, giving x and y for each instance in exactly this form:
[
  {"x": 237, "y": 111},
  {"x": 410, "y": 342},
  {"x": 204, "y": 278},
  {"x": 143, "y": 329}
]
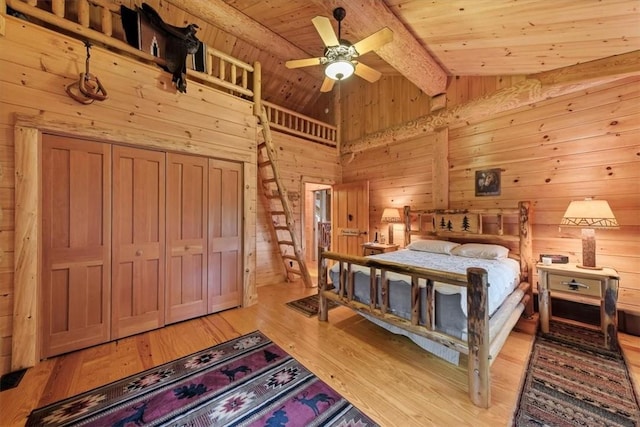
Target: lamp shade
[
  {"x": 589, "y": 214},
  {"x": 339, "y": 69},
  {"x": 391, "y": 215}
]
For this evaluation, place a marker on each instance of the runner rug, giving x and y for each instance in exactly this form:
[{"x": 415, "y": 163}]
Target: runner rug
[
  {"x": 309, "y": 305},
  {"x": 572, "y": 380},
  {"x": 248, "y": 381}
]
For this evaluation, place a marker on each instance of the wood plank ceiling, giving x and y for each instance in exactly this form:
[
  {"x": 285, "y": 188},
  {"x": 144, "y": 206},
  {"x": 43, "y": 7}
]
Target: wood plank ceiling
[{"x": 433, "y": 40}]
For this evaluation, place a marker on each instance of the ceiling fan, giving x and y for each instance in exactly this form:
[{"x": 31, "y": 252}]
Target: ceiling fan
[{"x": 339, "y": 55}]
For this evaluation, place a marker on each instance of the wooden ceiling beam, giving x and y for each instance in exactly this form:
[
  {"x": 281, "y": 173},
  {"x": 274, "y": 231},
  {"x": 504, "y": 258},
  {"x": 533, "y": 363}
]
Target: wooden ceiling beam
[
  {"x": 219, "y": 14},
  {"x": 404, "y": 53},
  {"x": 618, "y": 65},
  {"x": 536, "y": 88}
]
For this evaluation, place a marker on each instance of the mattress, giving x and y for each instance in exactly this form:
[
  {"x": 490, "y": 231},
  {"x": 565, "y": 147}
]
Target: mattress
[{"x": 503, "y": 274}]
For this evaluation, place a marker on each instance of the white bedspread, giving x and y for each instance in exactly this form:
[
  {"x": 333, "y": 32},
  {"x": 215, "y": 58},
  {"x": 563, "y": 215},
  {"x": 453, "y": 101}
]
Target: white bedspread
[{"x": 503, "y": 274}]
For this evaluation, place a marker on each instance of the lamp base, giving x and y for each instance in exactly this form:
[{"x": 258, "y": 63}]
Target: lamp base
[{"x": 586, "y": 267}]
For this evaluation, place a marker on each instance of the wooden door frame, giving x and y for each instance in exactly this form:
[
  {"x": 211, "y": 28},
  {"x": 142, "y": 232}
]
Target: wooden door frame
[
  {"x": 306, "y": 179},
  {"x": 28, "y": 130}
]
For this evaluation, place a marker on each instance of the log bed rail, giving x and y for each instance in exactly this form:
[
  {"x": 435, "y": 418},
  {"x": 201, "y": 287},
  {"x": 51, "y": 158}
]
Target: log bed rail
[
  {"x": 222, "y": 71},
  {"x": 485, "y": 336}
]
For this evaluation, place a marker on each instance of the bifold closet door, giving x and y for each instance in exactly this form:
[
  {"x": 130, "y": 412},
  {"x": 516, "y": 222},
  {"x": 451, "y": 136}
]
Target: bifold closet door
[
  {"x": 138, "y": 241},
  {"x": 225, "y": 235},
  {"x": 186, "y": 295},
  {"x": 76, "y": 252}
]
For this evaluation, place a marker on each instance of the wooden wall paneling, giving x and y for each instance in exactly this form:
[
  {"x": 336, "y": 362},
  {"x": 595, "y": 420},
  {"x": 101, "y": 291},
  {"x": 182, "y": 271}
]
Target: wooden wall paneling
[
  {"x": 186, "y": 216},
  {"x": 441, "y": 170},
  {"x": 76, "y": 244},
  {"x": 225, "y": 235},
  {"x": 142, "y": 96},
  {"x": 563, "y": 149},
  {"x": 138, "y": 256}
]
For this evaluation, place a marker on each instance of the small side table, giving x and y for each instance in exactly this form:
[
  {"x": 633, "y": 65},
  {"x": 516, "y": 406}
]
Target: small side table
[
  {"x": 578, "y": 283},
  {"x": 377, "y": 248}
]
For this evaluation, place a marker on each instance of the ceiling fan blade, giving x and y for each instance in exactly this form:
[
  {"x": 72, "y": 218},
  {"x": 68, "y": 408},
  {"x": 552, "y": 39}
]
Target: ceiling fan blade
[
  {"x": 367, "y": 73},
  {"x": 324, "y": 28},
  {"x": 327, "y": 85},
  {"x": 374, "y": 41},
  {"x": 298, "y": 63}
]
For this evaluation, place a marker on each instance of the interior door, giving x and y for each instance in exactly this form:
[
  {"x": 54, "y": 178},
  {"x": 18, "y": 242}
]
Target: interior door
[
  {"x": 186, "y": 295},
  {"x": 138, "y": 261},
  {"x": 76, "y": 253},
  {"x": 225, "y": 235},
  {"x": 349, "y": 217}
]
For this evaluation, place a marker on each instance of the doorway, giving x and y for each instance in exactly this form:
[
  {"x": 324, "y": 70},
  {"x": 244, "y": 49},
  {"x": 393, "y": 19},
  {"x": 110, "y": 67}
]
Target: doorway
[{"x": 317, "y": 221}]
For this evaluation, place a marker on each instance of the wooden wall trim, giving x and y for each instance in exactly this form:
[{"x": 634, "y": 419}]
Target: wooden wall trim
[
  {"x": 250, "y": 213},
  {"x": 131, "y": 136},
  {"x": 24, "y": 344}
]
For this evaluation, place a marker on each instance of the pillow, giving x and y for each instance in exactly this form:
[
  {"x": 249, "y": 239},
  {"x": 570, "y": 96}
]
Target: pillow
[
  {"x": 435, "y": 246},
  {"x": 481, "y": 250}
]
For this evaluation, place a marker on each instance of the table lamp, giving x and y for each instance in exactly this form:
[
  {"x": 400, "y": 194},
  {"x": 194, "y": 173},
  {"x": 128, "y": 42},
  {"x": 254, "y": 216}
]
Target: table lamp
[
  {"x": 588, "y": 215},
  {"x": 391, "y": 216}
]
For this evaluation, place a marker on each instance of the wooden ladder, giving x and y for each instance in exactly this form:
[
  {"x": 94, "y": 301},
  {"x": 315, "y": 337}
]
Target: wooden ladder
[{"x": 278, "y": 207}]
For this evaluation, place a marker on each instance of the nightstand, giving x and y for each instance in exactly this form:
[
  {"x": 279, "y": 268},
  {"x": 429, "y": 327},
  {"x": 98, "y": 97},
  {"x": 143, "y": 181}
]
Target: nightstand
[
  {"x": 581, "y": 285},
  {"x": 377, "y": 248}
]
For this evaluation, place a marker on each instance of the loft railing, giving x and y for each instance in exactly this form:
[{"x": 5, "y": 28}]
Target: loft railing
[
  {"x": 298, "y": 124},
  {"x": 94, "y": 20}
]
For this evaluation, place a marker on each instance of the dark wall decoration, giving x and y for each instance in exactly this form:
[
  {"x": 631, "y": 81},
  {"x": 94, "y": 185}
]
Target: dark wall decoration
[{"x": 488, "y": 182}]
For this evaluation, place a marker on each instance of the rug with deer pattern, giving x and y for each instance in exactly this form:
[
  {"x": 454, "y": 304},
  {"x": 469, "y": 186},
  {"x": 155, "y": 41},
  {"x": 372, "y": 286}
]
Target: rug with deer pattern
[{"x": 247, "y": 381}]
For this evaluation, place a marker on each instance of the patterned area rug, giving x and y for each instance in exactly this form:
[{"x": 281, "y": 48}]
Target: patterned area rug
[
  {"x": 248, "y": 381},
  {"x": 309, "y": 305},
  {"x": 572, "y": 380}
]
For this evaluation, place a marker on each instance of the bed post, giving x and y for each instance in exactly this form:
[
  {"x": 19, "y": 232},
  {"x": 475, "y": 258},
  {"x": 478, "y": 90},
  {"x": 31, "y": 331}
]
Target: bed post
[
  {"x": 407, "y": 225},
  {"x": 526, "y": 252},
  {"x": 323, "y": 307},
  {"x": 478, "y": 337}
]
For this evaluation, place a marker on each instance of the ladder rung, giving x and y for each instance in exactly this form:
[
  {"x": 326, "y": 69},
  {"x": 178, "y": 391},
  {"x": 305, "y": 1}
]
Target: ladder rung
[
  {"x": 276, "y": 213},
  {"x": 263, "y": 164},
  {"x": 272, "y": 196},
  {"x": 291, "y": 257},
  {"x": 268, "y": 180},
  {"x": 281, "y": 227},
  {"x": 285, "y": 242},
  {"x": 262, "y": 145},
  {"x": 291, "y": 270}
]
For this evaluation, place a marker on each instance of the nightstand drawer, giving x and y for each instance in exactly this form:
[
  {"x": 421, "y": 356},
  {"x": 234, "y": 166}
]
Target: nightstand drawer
[
  {"x": 575, "y": 285},
  {"x": 368, "y": 251}
]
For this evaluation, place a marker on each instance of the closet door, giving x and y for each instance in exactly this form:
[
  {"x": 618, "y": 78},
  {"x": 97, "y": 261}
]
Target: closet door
[
  {"x": 76, "y": 251},
  {"x": 225, "y": 235},
  {"x": 186, "y": 237},
  {"x": 138, "y": 241}
]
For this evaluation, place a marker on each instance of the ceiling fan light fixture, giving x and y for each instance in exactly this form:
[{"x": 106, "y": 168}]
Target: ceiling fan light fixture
[{"x": 339, "y": 69}]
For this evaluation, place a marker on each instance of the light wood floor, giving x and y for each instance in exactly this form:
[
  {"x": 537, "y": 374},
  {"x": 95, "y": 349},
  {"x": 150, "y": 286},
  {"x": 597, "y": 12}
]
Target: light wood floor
[{"x": 386, "y": 376}]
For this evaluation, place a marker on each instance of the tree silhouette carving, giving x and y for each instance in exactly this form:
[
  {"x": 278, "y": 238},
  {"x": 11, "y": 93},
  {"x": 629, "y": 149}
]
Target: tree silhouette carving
[
  {"x": 465, "y": 224},
  {"x": 443, "y": 225}
]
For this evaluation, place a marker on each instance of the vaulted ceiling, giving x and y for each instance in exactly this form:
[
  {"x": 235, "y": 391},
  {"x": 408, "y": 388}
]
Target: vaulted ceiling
[{"x": 433, "y": 39}]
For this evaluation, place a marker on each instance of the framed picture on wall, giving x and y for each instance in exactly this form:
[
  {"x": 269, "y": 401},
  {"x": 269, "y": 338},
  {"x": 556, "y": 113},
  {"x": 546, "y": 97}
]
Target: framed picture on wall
[{"x": 488, "y": 182}]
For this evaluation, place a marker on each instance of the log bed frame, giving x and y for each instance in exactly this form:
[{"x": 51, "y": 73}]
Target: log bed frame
[{"x": 485, "y": 337}]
